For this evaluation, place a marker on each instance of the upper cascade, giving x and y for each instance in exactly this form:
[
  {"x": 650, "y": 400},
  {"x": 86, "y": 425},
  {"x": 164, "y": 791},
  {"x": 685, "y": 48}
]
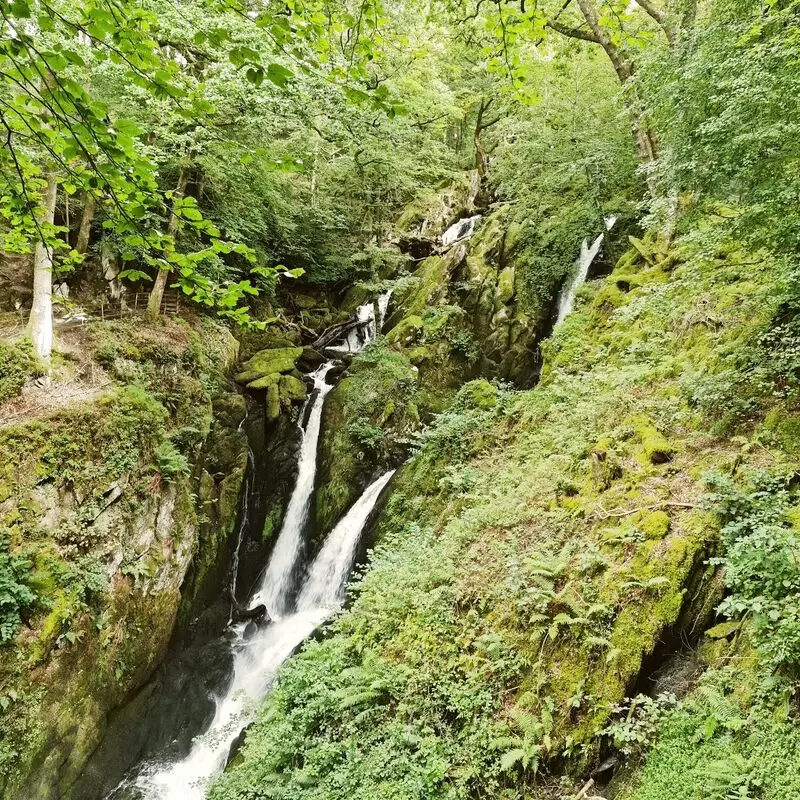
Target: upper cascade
[
  {"x": 566, "y": 300},
  {"x": 367, "y": 326},
  {"x": 462, "y": 229}
]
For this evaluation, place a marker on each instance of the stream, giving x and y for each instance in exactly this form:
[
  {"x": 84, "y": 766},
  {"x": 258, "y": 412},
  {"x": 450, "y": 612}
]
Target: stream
[{"x": 297, "y": 602}]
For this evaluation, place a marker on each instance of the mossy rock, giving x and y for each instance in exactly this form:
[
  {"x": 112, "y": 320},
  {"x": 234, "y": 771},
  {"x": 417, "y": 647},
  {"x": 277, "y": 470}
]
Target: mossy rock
[
  {"x": 657, "y": 449},
  {"x": 272, "y": 403},
  {"x": 291, "y": 389},
  {"x": 654, "y": 524},
  {"x": 478, "y": 394},
  {"x": 266, "y": 362},
  {"x": 505, "y": 285},
  {"x": 406, "y": 331},
  {"x": 265, "y": 382}
]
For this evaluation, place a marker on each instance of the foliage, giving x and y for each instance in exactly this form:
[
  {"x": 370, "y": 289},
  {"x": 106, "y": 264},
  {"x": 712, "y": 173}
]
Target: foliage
[
  {"x": 169, "y": 462},
  {"x": 741, "y": 156},
  {"x": 16, "y": 366},
  {"x": 576, "y": 151},
  {"x": 15, "y": 594},
  {"x": 717, "y": 745},
  {"x": 761, "y": 540}
]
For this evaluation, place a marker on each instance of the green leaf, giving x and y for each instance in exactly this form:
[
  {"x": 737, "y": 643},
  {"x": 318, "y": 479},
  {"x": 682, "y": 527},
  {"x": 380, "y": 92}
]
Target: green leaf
[{"x": 279, "y": 75}]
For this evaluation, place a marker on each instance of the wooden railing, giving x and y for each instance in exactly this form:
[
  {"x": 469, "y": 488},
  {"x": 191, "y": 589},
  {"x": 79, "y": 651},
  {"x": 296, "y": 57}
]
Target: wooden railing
[{"x": 125, "y": 306}]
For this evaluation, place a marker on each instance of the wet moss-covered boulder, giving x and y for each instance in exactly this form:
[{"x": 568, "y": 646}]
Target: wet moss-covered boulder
[{"x": 264, "y": 364}]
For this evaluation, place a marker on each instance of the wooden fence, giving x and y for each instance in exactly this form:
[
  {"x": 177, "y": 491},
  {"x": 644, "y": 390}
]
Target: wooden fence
[{"x": 125, "y": 306}]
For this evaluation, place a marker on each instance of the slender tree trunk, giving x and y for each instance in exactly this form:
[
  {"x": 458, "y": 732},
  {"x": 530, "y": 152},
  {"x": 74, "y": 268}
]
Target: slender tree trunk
[
  {"x": 157, "y": 292},
  {"x": 85, "y": 230},
  {"x": 40, "y": 323}
]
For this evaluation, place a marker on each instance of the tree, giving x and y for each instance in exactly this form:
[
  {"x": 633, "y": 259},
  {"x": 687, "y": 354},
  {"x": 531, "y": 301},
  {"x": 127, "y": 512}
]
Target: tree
[{"x": 40, "y": 324}]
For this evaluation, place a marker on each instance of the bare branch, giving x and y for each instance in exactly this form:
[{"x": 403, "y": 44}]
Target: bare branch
[{"x": 572, "y": 33}]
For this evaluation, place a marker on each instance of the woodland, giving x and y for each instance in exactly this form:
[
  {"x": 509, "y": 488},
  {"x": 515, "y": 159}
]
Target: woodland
[{"x": 400, "y": 400}]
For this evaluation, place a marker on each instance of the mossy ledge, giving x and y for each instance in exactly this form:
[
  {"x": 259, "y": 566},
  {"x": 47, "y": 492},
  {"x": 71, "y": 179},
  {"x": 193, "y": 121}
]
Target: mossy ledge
[{"x": 111, "y": 501}]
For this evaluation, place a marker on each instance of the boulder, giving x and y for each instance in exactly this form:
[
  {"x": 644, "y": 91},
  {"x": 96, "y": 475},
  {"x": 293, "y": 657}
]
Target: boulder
[{"x": 267, "y": 362}]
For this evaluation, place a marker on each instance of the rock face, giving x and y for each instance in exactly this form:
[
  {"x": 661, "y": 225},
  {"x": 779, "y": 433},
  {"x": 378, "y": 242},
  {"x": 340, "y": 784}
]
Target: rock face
[
  {"x": 474, "y": 285},
  {"x": 124, "y": 508},
  {"x": 458, "y": 316}
]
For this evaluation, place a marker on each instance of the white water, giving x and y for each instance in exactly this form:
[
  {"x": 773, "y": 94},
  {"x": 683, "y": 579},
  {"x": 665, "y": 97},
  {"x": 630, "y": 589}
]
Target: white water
[
  {"x": 278, "y": 577},
  {"x": 566, "y": 300},
  {"x": 462, "y": 229},
  {"x": 245, "y": 520},
  {"x": 325, "y": 584},
  {"x": 368, "y": 327},
  {"x": 257, "y": 659}
]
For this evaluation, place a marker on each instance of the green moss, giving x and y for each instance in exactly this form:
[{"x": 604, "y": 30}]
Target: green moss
[
  {"x": 505, "y": 285},
  {"x": 292, "y": 390},
  {"x": 17, "y": 364},
  {"x": 272, "y": 403},
  {"x": 266, "y": 362},
  {"x": 478, "y": 394},
  {"x": 654, "y": 524},
  {"x": 264, "y": 382},
  {"x": 657, "y": 450}
]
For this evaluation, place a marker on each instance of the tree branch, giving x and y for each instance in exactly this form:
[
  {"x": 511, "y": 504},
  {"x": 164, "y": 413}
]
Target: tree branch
[
  {"x": 660, "y": 17},
  {"x": 572, "y": 33}
]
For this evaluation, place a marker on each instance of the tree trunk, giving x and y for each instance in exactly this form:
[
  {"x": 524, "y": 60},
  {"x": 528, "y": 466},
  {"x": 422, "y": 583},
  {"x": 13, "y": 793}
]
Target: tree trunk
[
  {"x": 643, "y": 134},
  {"x": 40, "y": 323},
  {"x": 157, "y": 292},
  {"x": 85, "y": 230}
]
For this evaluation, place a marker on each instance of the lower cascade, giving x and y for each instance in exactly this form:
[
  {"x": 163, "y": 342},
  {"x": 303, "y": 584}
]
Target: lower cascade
[{"x": 260, "y": 651}]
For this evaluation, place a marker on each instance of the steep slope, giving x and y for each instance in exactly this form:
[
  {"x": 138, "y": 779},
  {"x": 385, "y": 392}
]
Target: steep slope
[
  {"x": 542, "y": 546},
  {"x": 116, "y": 506}
]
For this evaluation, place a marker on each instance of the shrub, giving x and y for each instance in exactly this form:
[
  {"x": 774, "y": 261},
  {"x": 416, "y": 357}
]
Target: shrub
[
  {"x": 17, "y": 364},
  {"x": 15, "y": 594},
  {"x": 761, "y": 569}
]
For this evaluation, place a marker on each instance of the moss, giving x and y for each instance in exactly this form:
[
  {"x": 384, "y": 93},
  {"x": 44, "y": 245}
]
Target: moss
[
  {"x": 478, "y": 394},
  {"x": 655, "y": 524},
  {"x": 292, "y": 389},
  {"x": 265, "y": 382},
  {"x": 266, "y": 362},
  {"x": 505, "y": 285},
  {"x": 785, "y": 426},
  {"x": 405, "y": 331},
  {"x": 272, "y": 403},
  {"x": 17, "y": 364},
  {"x": 657, "y": 450}
]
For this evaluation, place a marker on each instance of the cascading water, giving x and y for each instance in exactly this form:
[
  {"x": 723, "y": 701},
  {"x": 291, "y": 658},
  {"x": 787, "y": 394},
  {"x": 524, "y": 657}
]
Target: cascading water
[
  {"x": 567, "y": 298},
  {"x": 243, "y": 523},
  {"x": 588, "y": 254},
  {"x": 324, "y": 587},
  {"x": 259, "y": 652},
  {"x": 275, "y": 588},
  {"x": 462, "y": 229},
  {"x": 367, "y": 326}
]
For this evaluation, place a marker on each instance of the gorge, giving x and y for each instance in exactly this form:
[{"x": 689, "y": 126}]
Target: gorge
[{"x": 399, "y": 401}]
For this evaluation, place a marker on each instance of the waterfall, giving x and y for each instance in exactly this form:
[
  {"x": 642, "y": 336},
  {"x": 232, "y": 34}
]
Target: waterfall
[
  {"x": 243, "y": 523},
  {"x": 588, "y": 254},
  {"x": 567, "y": 298},
  {"x": 278, "y": 577},
  {"x": 367, "y": 328},
  {"x": 383, "y": 305},
  {"x": 324, "y": 587},
  {"x": 462, "y": 229},
  {"x": 258, "y": 659},
  {"x": 259, "y": 651}
]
